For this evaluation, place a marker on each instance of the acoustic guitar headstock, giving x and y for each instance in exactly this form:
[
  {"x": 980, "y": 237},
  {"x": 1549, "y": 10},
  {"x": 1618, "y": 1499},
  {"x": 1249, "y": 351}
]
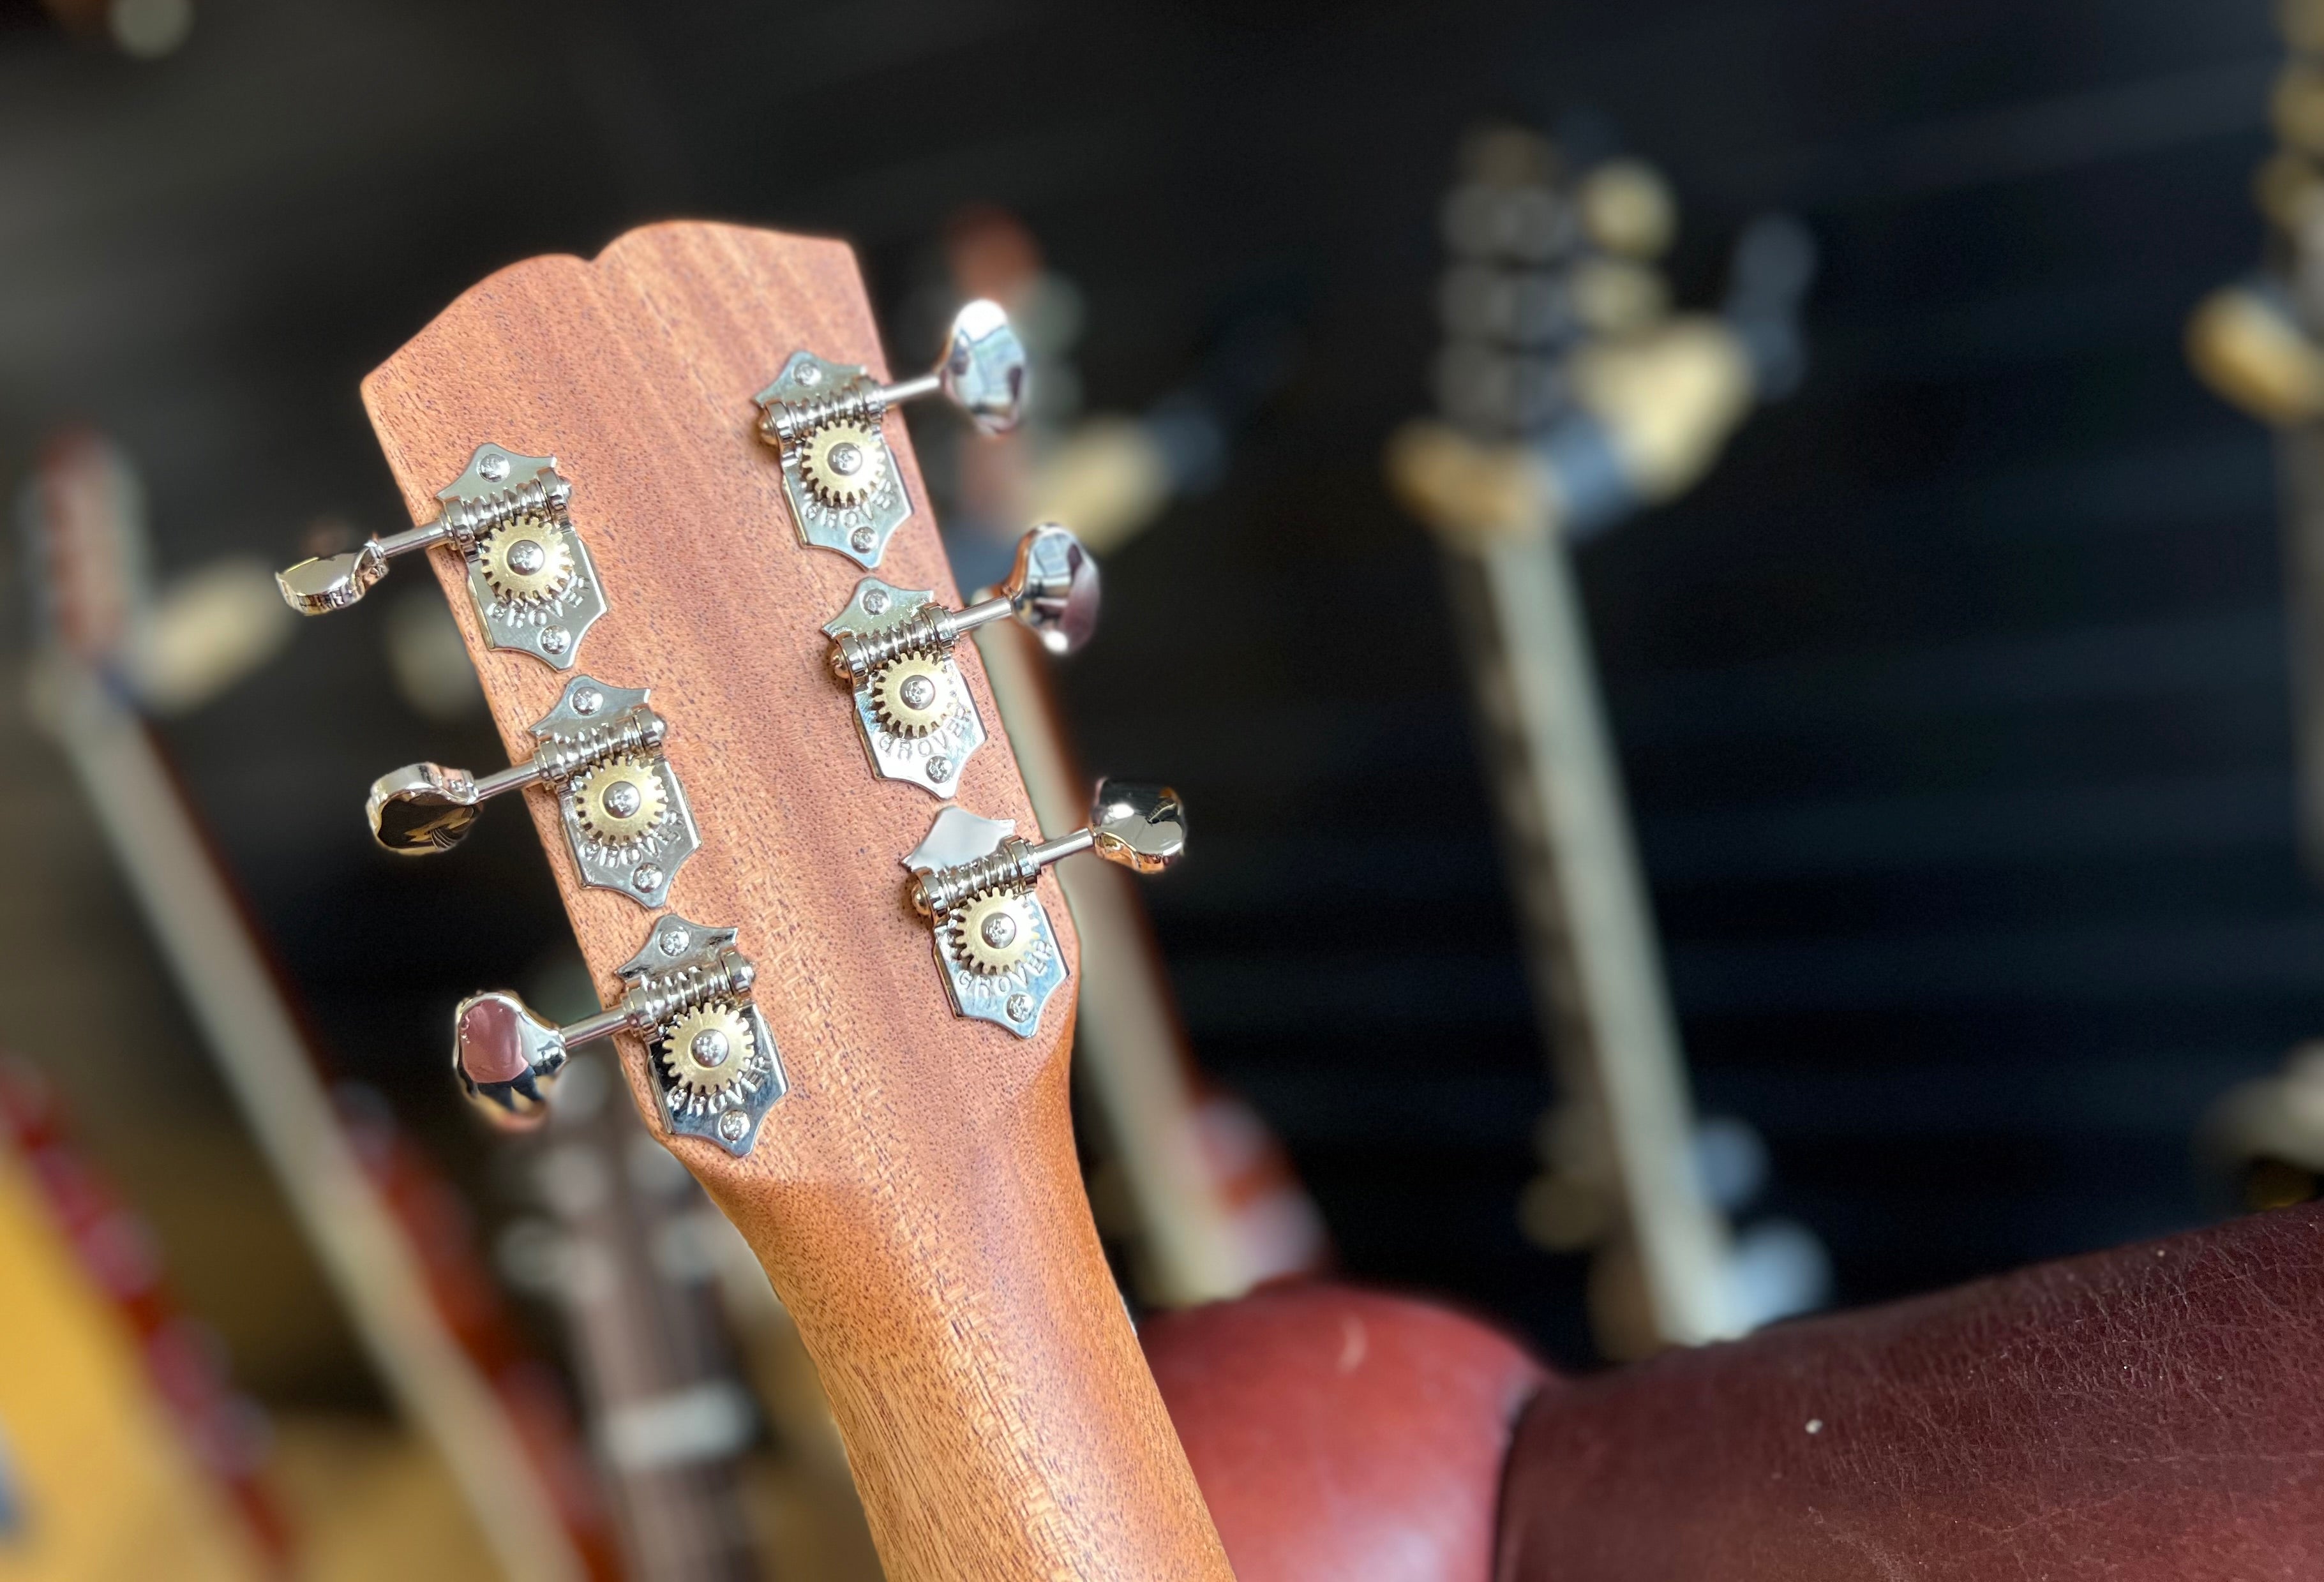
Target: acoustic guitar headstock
[{"x": 691, "y": 552}]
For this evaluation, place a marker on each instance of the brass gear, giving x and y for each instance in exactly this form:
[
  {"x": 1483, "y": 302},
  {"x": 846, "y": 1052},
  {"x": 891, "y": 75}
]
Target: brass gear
[
  {"x": 912, "y": 695},
  {"x": 706, "y": 1049},
  {"x": 620, "y": 801},
  {"x": 992, "y": 933},
  {"x": 528, "y": 559},
  {"x": 842, "y": 463}
]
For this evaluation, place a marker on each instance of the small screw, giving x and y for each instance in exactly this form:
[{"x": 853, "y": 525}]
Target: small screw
[
  {"x": 1019, "y": 1007},
  {"x": 588, "y": 701},
  {"x": 862, "y": 539},
  {"x": 493, "y": 466},
  {"x": 622, "y": 798},
  {"x": 710, "y": 1047},
  {"x": 734, "y": 1125},
  {"x": 647, "y": 878},
  {"x": 674, "y": 941},
  {"x": 875, "y": 602},
  {"x": 806, "y": 373},
  {"x": 939, "y": 768},
  {"x": 526, "y": 556},
  {"x": 918, "y": 691},
  {"x": 555, "y": 639},
  {"x": 846, "y": 458}
]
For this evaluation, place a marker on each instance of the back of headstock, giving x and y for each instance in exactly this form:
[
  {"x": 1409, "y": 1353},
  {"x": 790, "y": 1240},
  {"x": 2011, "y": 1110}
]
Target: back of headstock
[{"x": 905, "y": 1172}]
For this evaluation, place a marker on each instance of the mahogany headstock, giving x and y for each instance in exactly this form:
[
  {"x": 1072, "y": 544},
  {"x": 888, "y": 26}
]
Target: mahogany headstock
[{"x": 914, "y": 1197}]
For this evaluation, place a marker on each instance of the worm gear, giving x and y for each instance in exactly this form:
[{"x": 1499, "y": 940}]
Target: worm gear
[
  {"x": 993, "y": 934},
  {"x": 707, "y": 1050},
  {"x": 843, "y": 464},
  {"x": 620, "y": 801},
  {"x": 913, "y": 695},
  {"x": 527, "y": 559}
]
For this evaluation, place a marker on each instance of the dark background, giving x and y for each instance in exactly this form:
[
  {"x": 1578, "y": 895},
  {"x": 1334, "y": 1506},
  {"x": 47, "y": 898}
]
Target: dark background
[{"x": 1954, "y": 705}]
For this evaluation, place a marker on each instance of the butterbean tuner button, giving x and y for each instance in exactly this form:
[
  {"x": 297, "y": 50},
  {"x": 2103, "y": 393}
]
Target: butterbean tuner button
[
  {"x": 826, "y": 418},
  {"x": 710, "y": 1056},
  {"x": 974, "y": 880},
  {"x": 530, "y": 578},
  {"x": 625, "y": 814}
]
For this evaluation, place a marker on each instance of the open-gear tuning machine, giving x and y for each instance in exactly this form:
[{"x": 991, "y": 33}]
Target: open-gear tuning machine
[
  {"x": 974, "y": 881},
  {"x": 894, "y": 647},
  {"x": 826, "y": 419},
  {"x": 625, "y": 816},
  {"x": 529, "y": 576},
  {"x": 712, "y": 1060}
]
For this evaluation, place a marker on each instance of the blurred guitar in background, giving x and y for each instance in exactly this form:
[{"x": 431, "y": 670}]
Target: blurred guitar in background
[
  {"x": 2259, "y": 342},
  {"x": 1188, "y": 1176},
  {"x": 1571, "y": 398},
  {"x": 391, "y": 1236},
  {"x": 103, "y": 1370}
]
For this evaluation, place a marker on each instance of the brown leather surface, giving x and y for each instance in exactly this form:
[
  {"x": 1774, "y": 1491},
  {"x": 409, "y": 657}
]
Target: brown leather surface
[
  {"x": 1344, "y": 1435},
  {"x": 2148, "y": 1414}
]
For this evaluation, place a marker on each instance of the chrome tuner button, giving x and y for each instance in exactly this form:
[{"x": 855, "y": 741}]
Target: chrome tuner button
[
  {"x": 625, "y": 816},
  {"x": 974, "y": 880},
  {"x": 532, "y": 581},
  {"x": 894, "y": 648},
  {"x": 712, "y": 1058},
  {"x": 825, "y": 419}
]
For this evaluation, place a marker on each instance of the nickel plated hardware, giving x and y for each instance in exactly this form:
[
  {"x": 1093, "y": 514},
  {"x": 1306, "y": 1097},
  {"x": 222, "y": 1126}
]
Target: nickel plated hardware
[
  {"x": 824, "y": 418},
  {"x": 974, "y": 881},
  {"x": 625, "y": 815},
  {"x": 894, "y": 646},
  {"x": 713, "y": 1061},
  {"x": 529, "y": 576}
]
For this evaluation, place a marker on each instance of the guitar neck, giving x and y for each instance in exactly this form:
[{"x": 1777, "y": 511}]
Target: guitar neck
[
  {"x": 1593, "y": 955},
  {"x": 915, "y": 1198},
  {"x": 1507, "y": 509}
]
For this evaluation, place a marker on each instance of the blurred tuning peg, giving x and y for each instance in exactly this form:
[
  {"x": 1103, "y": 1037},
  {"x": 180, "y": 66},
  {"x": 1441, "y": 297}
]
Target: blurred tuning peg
[
  {"x": 981, "y": 372},
  {"x": 825, "y": 418},
  {"x": 894, "y": 646},
  {"x": 711, "y": 1057},
  {"x": 974, "y": 878},
  {"x": 626, "y": 820},
  {"x": 529, "y": 576}
]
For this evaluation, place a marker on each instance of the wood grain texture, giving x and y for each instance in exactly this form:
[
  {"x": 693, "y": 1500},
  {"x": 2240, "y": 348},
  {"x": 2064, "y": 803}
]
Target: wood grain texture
[{"x": 916, "y": 1200}]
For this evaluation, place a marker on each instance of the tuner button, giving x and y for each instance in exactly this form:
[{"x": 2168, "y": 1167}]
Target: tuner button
[
  {"x": 1137, "y": 826},
  {"x": 1054, "y": 588},
  {"x": 1141, "y": 827},
  {"x": 983, "y": 367},
  {"x": 333, "y": 581},
  {"x": 421, "y": 808},
  {"x": 506, "y": 1058}
]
